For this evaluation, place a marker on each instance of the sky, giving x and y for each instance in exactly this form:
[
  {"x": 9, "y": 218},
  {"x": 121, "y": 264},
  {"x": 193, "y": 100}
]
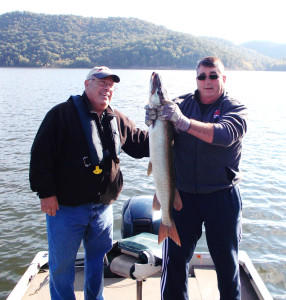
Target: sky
[{"x": 236, "y": 21}]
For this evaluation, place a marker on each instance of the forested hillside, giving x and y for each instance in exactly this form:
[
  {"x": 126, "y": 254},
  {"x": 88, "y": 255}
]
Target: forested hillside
[{"x": 39, "y": 40}]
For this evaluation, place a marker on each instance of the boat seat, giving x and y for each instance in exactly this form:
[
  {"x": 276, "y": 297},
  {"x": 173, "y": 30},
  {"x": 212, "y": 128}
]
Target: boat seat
[{"x": 140, "y": 258}]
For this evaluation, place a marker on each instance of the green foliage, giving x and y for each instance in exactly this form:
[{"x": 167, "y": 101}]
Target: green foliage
[{"x": 39, "y": 40}]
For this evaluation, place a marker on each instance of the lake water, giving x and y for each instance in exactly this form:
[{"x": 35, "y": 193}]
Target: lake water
[{"x": 27, "y": 94}]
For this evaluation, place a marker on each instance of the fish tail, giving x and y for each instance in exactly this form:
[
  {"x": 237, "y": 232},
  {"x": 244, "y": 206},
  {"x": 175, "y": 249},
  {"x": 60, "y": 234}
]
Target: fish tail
[{"x": 167, "y": 231}]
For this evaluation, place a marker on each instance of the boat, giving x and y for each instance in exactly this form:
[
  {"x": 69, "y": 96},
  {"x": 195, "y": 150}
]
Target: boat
[{"x": 133, "y": 265}]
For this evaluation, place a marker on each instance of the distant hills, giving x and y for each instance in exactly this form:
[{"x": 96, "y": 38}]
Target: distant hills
[
  {"x": 39, "y": 40},
  {"x": 270, "y": 49}
]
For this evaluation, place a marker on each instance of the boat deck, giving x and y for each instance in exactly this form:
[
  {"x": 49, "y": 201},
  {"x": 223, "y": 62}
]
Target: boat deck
[
  {"x": 201, "y": 287},
  {"x": 34, "y": 284}
]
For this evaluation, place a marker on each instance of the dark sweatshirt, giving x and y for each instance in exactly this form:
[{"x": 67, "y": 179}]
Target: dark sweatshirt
[{"x": 202, "y": 167}]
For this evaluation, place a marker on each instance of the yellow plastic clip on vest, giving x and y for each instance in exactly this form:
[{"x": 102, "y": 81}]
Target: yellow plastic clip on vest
[{"x": 97, "y": 170}]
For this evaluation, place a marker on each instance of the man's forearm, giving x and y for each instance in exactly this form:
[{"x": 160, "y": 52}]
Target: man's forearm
[{"x": 201, "y": 130}]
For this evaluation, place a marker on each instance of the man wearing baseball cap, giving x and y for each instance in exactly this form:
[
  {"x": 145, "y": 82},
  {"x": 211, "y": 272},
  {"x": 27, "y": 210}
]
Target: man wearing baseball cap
[
  {"x": 75, "y": 171},
  {"x": 102, "y": 72}
]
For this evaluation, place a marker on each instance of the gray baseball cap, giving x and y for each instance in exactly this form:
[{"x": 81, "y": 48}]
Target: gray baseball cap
[{"x": 102, "y": 72}]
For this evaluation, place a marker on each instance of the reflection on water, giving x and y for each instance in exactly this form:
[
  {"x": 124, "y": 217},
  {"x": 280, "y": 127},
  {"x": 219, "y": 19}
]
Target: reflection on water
[{"x": 26, "y": 96}]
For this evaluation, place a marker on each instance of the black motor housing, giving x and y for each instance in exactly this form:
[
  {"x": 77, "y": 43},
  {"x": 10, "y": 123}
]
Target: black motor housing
[{"x": 138, "y": 216}]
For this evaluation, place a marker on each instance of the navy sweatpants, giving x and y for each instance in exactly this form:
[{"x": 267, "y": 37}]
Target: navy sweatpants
[{"x": 220, "y": 212}]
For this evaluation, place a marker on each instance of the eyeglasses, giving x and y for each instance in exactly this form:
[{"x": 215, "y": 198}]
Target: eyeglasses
[
  {"x": 211, "y": 76},
  {"x": 104, "y": 84}
]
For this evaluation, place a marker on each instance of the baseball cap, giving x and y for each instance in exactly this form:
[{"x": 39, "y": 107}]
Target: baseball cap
[{"x": 102, "y": 72}]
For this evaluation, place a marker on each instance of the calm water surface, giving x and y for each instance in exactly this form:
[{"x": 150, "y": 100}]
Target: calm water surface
[{"x": 26, "y": 96}]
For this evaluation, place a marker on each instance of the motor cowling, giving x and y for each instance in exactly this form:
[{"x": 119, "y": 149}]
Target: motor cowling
[{"x": 138, "y": 216}]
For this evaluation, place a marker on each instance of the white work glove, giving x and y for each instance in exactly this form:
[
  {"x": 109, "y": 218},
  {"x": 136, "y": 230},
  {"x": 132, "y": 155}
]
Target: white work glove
[
  {"x": 171, "y": 112},
  {"x": 150, "y": 115}
]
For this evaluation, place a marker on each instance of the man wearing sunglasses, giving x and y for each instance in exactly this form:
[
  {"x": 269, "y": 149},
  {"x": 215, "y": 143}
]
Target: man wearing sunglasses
[{"x": 207, "y": 150}]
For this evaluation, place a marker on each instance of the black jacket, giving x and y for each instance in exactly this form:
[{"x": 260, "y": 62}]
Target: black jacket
[{"x": 57, "y": 165}]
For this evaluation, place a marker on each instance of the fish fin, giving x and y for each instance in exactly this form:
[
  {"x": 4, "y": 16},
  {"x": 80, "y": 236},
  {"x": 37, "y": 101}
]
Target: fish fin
[
  {"x": 166, "y": 231},
  {"x": 178, "y": 205},
  {"x": 149, "y": 170},
  {"x": 156, "y": 204}
]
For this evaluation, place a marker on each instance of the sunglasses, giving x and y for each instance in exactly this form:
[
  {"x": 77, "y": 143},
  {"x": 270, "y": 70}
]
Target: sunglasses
[{"x": 204, "y": 77}]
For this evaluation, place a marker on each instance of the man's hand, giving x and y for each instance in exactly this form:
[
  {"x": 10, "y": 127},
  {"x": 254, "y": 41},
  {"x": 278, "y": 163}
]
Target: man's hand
[
  {"x": 150, "y": 116},
  {"x": 50, "y": 205},
  {"x": 171, "y": 112}
]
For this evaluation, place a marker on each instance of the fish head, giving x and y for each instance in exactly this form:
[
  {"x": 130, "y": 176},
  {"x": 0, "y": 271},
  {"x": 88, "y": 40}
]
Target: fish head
[{"x": 158, "y": 95}]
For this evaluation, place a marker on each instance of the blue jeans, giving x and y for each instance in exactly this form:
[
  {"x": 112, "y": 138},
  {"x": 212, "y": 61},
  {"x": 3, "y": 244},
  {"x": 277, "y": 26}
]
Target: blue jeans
[
  {"x": 90, "y": 223},
  {"x": 220, "y": 213}
]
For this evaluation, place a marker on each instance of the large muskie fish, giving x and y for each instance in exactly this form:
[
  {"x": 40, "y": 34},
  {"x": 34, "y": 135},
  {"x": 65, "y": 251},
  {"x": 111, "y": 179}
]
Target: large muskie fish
[{"x": 162, "y": 164}]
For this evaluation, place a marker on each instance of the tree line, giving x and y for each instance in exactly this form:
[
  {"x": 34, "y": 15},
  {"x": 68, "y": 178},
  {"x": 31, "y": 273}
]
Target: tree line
[{"x": 39, "y": 40}]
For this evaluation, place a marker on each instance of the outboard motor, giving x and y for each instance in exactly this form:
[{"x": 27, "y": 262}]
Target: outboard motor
[{"x": 138, "y": 216}]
